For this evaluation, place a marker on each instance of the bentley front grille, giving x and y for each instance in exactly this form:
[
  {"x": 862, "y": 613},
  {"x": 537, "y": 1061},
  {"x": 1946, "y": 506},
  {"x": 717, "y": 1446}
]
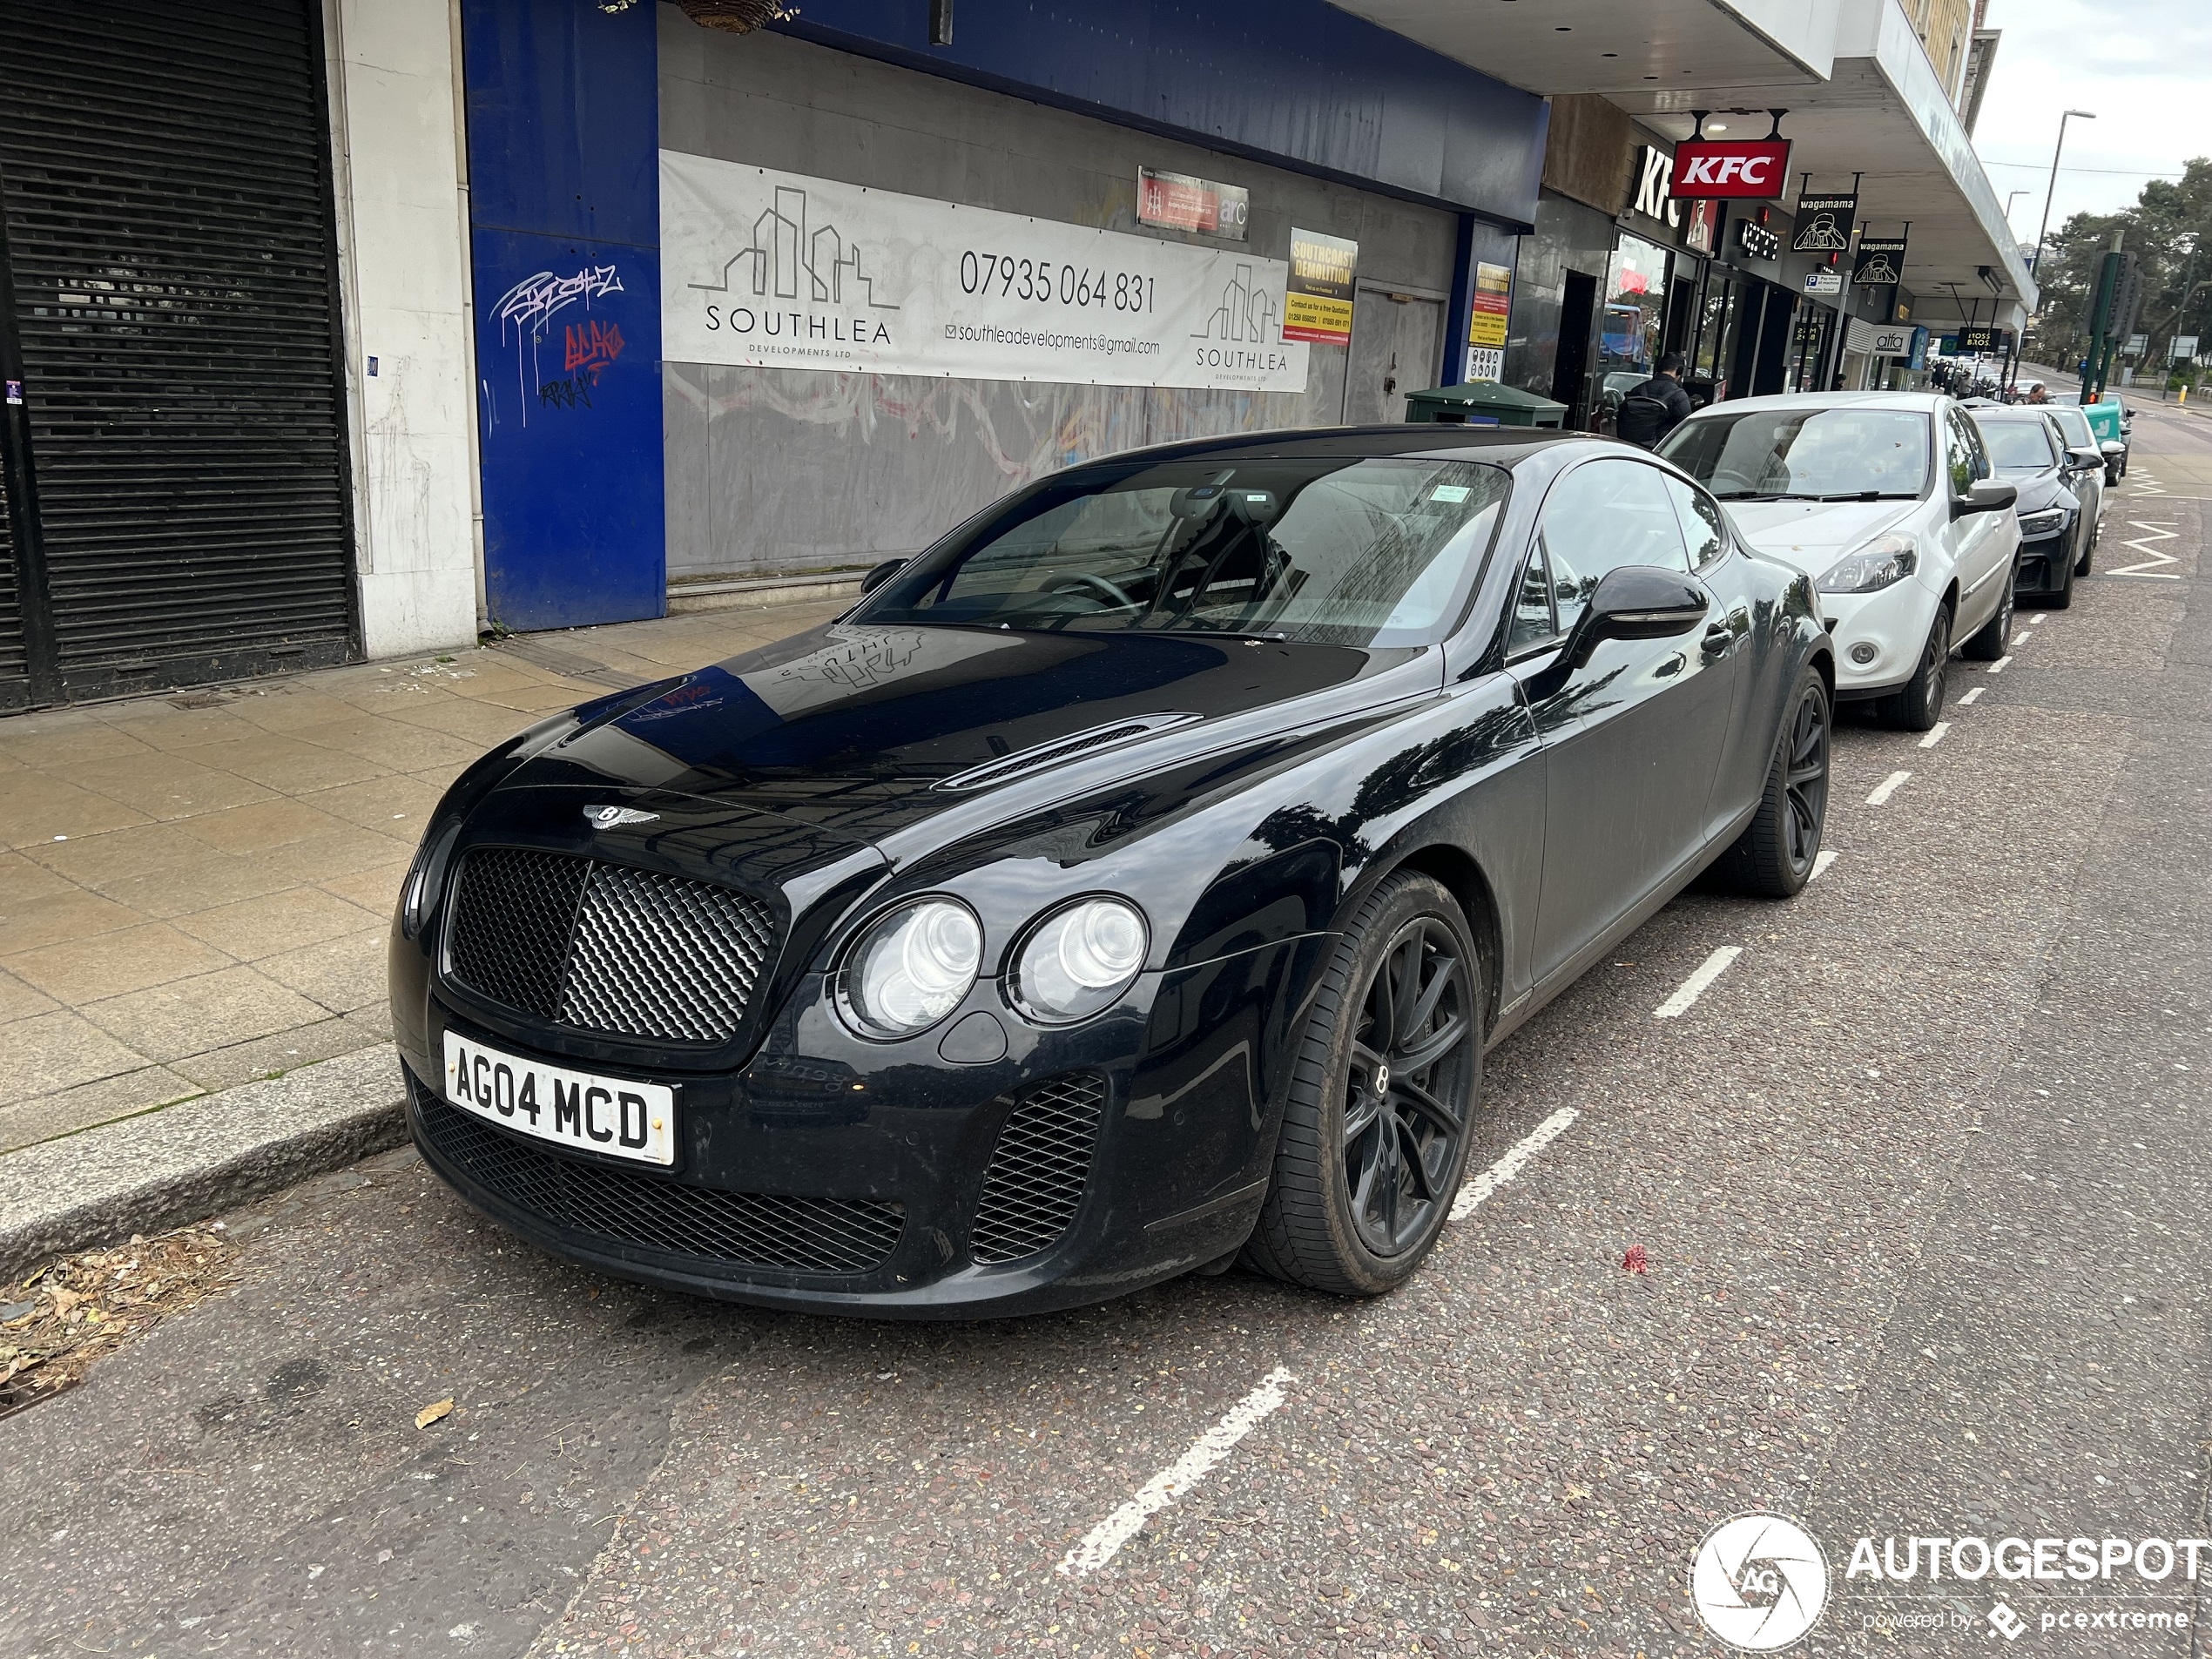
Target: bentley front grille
[{"x": 604, "y": 947}]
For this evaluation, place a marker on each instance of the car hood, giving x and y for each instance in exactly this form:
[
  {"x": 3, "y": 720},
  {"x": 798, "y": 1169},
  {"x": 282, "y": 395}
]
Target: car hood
[
  {"x": 2039, "y": 487},
  {"x": 1809, "y": 535},
  {"x": 850, "y": 731}
]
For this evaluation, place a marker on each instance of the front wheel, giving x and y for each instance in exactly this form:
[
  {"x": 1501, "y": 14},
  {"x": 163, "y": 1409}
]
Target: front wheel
[
  {"x": 1919, "y": 705},
  {"x": 1991, "y": 640},
  {"x": 1374, "y": 1137},
  {"x": 1773, "y": 857}
]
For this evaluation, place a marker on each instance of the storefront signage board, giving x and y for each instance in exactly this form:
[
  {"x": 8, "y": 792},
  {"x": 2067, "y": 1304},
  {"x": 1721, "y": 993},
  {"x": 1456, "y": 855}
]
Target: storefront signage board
[
  {"x": 1750, "y": 169},
  {"x": 768, "y": 269},
  {"x": 1176, "y": 201},
  {"x": 1881, "y": 261},
  {"x": 1318, "y": 307},
  {"x": 1824, "y": 224}
]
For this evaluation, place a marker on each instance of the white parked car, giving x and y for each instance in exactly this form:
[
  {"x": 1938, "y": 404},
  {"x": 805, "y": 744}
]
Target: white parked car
[{"x": 1887, "y": 500}]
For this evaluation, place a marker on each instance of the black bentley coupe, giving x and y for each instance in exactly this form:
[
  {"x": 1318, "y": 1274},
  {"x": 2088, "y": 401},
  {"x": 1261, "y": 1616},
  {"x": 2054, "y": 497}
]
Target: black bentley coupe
[{"x": 1128, "y": 884}]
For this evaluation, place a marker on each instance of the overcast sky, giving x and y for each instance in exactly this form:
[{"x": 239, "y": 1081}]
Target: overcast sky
[{"x": 2140, "y": 64}]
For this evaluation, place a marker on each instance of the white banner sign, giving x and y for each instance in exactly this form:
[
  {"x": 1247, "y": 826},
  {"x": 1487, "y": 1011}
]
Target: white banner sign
[{"x": 777, "y": 271}]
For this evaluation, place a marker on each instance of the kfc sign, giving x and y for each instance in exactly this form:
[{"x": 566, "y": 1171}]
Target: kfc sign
[{"x": 1710, "y": 167}]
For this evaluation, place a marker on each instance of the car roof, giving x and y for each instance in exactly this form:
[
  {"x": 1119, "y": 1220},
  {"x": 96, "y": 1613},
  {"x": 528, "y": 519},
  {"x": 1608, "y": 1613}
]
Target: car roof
[
  {"x": 1499, "y": 445},
  {"x": 1924, "y": 402},
  {"x": 2014, "y": 414}
]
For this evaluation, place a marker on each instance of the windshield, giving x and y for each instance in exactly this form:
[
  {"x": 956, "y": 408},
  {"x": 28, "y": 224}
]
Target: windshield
[
  {"x": 1814, "y": 454},
  {"x": 1339, "y": 552},
  {"x": 2075, "y": 425},
  {"x": 2018, "y": 444}
]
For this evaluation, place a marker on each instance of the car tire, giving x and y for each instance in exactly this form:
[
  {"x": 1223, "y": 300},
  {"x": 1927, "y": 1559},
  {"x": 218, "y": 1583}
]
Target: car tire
[
  {"x": 1346, "y": 1212},
  {"x": 1773, "y": 857},
  {"x": 1991, "y": 639},
  {"x": 2088, "y": 550},
  {"x": 1919, "y": 705},
  {"x": 2063, "y": 599}
]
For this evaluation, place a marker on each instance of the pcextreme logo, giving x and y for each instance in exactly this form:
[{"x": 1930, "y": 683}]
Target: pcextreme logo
[{"x": 1758, "y": 1582}]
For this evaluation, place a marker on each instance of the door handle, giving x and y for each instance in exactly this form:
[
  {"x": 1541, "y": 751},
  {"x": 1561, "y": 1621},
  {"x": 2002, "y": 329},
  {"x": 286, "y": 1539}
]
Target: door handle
[{"x": 1718, "y": 638}]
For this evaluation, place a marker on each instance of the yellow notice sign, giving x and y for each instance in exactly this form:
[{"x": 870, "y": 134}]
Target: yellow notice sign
[
  {"x": 1492, "y": 302},
  {"x": 1317, "y": 303}
]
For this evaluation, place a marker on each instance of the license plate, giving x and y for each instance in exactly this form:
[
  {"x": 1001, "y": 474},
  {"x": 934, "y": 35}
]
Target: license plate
[{"x": 617, "y": 1117}]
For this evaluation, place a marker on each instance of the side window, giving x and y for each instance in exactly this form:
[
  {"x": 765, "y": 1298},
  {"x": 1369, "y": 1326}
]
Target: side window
[
  {"x": 1699, "y": 515},
  {"x": 1958, "y": 454},
  {"x": 1604, "y": 514},
  {"x": 1982, "y": 468},
  {"x": 1533, "y": 623}
]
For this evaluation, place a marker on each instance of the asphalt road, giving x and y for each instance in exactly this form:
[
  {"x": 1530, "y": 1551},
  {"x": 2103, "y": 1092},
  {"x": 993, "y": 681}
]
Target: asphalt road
[{"x": 1919, "y": 1178}]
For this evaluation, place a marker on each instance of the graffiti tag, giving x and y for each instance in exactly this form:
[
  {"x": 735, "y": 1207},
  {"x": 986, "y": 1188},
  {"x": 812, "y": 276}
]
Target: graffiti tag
[
  {"x": 531, "y": 302},
  {"x": 591, "y": 346}
]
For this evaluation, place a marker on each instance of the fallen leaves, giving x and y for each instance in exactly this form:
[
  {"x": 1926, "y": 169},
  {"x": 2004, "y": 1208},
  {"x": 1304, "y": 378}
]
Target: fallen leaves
[
  {"x": 1636, "y": 1261},
  {"x": 65, "y": 1315},
  {"x": 432, "y": 1411}
]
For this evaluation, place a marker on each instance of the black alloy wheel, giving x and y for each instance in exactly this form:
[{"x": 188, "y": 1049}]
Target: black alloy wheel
[
  {"x": 1805, "y": 780},
  {"x": 1387, "y": 1074},
  {"x": 1774, "y": 856},
  {"x": 1920, "y": 706},
  {"x": 1405, "y": 1116}
]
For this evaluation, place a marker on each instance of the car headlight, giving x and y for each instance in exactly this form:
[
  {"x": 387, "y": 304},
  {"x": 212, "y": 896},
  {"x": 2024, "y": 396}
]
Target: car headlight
[
  {"x": 1078, "y": 960},
  {"x": 911, "y": 968},
  {"x": 2039, "y": 523},
  {"x": 1883, "y": 563}
]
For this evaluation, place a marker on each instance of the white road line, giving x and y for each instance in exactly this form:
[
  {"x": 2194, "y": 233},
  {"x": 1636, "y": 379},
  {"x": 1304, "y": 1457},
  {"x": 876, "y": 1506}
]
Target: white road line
[
  {"x": 2146, "y": 543},
  {"x": 1997, "y": 667},
  {"x": 1100, "y": 1543},
  {"x": 1478, "y": 1191},
  {"x": 1887, "y": 788},
  {"x": 2037, "y": 620},
  {"x": 1973, "y": 696},
  {"x": 1693, "y": 987},
  {"x": 1821, "y": 860},
  {"x": 1935, "y": 734}
]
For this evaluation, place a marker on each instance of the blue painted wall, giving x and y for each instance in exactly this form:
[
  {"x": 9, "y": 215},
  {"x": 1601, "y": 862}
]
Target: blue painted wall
[
  {"x": 1293, "y": 82},
  {"x": 564, "y": 209}
]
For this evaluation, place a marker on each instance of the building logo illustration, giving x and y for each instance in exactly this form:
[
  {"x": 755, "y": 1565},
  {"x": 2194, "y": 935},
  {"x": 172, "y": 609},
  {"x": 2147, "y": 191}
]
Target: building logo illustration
[
  {"x": 1246, "y": 316},
  {"x": 1821, "y": 236},
  {"x": 787, "y": 261},
  {"x": 1876, "y": 269},
  {"x": 1758, "y": 1582}
]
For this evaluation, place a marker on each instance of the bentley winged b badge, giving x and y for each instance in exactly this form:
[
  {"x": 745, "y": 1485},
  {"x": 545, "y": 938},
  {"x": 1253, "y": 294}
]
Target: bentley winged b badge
[{"x": 609, "y": 817}]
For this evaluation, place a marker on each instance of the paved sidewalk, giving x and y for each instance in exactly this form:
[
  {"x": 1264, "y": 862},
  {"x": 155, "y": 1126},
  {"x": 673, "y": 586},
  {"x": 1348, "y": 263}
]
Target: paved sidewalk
[{"x": 197, "y": 885}]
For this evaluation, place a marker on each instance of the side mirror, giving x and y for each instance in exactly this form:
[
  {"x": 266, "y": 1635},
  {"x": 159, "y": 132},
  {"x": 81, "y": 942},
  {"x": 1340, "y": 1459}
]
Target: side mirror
[
  {"x": 1636, "y": 602},
  {"x": 1988, "y": 496},
  {"x": 2082, "y": 458},
  {"x": 2112, "y": 447},
  {"x": 881, "y": 574}
]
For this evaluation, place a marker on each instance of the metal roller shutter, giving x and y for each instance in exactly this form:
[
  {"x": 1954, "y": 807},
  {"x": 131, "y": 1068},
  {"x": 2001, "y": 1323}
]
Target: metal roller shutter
[
  {"x": 15, "y": 680},
  {"x": 164, "y": 175}
]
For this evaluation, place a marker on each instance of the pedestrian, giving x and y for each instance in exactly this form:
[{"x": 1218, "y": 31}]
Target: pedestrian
[
  {"x": 2040, "y": 394},
  {"x": 1650, "y": 411}
]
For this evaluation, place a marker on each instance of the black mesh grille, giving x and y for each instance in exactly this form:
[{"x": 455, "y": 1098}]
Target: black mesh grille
[
  {"x": 743, "y": 1229},
  {"x": 604, "y": 947},
  {"x": 1037, "y": 1170},
  {"x": 511, "y": 923}
]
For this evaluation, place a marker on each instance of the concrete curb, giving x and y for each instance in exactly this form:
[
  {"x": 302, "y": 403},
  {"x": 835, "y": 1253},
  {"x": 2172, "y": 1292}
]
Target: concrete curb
[{"x": 164, "y": 1168}]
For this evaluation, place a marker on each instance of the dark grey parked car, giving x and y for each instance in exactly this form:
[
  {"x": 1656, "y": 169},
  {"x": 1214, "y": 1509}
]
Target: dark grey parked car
[{"x": 2027, "y": 448}]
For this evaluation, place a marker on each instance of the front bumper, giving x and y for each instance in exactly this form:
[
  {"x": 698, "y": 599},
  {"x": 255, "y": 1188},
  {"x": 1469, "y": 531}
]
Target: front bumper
[
  {"x": 1879, "y": 636},
  {"x": 2044, "y": 560},
  {"x": 835, "y": 1176}
]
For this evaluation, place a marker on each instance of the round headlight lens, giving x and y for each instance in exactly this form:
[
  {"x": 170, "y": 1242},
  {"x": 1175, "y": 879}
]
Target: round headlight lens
[
  {"x": 912, "y": 968},
  {"x": 1079, "y": 960}
]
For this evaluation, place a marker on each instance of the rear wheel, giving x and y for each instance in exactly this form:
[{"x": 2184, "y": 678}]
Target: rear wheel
[
  {"x": 2089, "y": 549},
  {"x": 1990, "y": 641},
  {"x": 1389, "y": 1068},
  {"x": 1918, "y": 705},
  {"x": 2063, "y": 599},
  {"x": 1774, "y": 856}
]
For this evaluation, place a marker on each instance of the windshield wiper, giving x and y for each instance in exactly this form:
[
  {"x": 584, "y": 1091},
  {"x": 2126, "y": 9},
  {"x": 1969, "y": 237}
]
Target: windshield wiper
[{"x": 1870, "y": 494}]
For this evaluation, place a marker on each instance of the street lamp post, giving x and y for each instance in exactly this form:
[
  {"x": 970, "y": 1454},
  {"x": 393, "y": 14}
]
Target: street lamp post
[
  {"x": 2009, "y": 200},
  {"x": 2035, "y": 258}
]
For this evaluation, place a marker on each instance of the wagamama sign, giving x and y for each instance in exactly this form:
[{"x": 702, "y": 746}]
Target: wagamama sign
[{"x": 770, "y": 269}]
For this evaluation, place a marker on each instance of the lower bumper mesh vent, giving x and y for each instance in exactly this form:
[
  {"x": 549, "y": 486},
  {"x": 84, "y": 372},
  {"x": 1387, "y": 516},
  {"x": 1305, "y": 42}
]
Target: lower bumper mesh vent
[
  {"x": 741, "y": 1229},
  {"x": 1038, "y": 1170}
]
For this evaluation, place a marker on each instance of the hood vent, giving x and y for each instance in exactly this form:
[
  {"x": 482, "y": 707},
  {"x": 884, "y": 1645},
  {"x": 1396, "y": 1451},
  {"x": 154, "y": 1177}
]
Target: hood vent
[{"x": 1023, "y": 762}]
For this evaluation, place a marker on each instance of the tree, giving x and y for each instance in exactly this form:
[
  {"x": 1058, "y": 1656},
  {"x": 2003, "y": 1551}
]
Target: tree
[{"x": 2170, "y": 229}]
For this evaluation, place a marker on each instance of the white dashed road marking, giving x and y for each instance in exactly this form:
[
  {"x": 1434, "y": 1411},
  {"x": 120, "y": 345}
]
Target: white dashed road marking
[
  {"x": 1478, "y": 1191},
  {"x": 1100, "y": 1543},
  {"x": 1935, "y": 734},
  {"x": 1973, "y": 696},
  {"x": 2036, "y": 621},
  {"x": 1693, "y": 987},
  {"x": 1887, "y": 788},
  {"x": 1997, "y": 667},
  {"x": 1821, "y": 860}
]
